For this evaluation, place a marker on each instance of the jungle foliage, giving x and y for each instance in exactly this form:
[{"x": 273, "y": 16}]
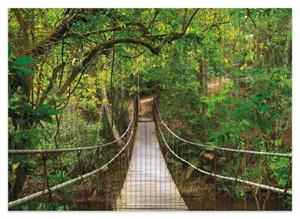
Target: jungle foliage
[{"x": 223, "y": 77}]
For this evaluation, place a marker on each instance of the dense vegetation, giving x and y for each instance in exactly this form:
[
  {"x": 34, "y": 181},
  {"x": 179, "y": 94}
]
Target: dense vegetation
[{"x": 223, "y": 77}]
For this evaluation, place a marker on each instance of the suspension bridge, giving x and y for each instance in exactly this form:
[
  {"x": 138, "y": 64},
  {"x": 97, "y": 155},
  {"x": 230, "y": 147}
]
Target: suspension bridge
[{"x": 134, "y": 174}]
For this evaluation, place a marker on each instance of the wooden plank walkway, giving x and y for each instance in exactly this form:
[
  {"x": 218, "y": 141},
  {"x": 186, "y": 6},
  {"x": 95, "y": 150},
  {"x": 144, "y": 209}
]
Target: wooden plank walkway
[{"x": 148, "y": 183}]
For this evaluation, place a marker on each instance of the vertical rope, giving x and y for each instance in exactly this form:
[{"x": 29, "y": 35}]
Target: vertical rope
[
  {"x": 177, "y": 172},
  {"x": 57, "y": 133},
  {"x": 111, "y": 85},
  {"x": 239, "y": 169},
  {"x": 117, "y": 175},
  {"x": 107, "y": 185},
  {"x": 289, "y": 175},
  {"x": 46, "y": 181},
  {"x": 97, "y": 165},
  {"x": 145, "y": 160},
  {"x": 81, "y": 167},
  {"x": 150, "y": 153}
]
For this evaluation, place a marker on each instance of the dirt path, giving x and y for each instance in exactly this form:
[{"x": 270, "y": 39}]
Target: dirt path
[{"x": 145, "y": 113}]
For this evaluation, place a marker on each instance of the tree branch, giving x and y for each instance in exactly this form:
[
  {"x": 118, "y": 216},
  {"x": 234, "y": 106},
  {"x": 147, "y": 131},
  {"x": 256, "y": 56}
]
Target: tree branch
[
  {"x": 190, "y": 20},
  {"x": 56, "y": 35},
  {"x": 155, "y": 49}
]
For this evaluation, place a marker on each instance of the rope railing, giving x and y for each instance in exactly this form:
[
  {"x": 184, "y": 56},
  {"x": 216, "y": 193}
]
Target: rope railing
[
  {"x": 48, "y": 190},
  {"x": 276, "y": 154},
  {"x": 72, "y": 181},
  {"x": 234, "y": 179},
  {"x": 71, "y": 149}
]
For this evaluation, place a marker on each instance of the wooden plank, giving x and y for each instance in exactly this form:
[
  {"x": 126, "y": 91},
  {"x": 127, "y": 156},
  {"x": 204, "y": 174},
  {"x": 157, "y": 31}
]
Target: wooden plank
[{"x": 148, "y": 184}]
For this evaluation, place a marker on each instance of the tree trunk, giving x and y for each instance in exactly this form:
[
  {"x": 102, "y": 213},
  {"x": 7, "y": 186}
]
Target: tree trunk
[
  {"x": 24, "y": 21},
  {"x": 203, "y": 77},
  {"x": 108, "y": 111},
  {"x": 286, "y": 54},
  {"x": 17, "y": 187},
  {"x": 257, "y": 53}
]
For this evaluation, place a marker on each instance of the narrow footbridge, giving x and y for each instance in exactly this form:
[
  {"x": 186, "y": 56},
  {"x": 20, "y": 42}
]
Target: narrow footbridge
[
  {"x": 148, "y": 184},
  {"x": 133, "y": 174}
]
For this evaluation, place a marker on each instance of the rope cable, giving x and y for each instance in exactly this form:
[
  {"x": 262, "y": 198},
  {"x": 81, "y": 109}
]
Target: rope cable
[
  {"x": 218, "y": 147},
  {"x": 275, "y": 189},
  {"x": 72, "y": 181},
  {"x": 73, "y": 149}
]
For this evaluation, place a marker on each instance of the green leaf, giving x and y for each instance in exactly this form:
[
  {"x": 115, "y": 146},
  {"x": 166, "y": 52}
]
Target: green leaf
[
  {"x": 22, "y": 70},
  {"x": 264, "y": 123},
  {"x": 48, "y": 109},
  {"x": 47, "y": 119},
  {"x": 240, "y": 192},
  {"x": 263, "y": 108},
  {"x": 44, "y": 108},
  {"x": 25, "y": 61},
  {"x": 10, "y": 49},
  {"x": 55, "y": 112}
]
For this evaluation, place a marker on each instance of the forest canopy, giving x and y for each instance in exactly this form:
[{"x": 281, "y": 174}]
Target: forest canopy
[{"x": 223, "y": 77}]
